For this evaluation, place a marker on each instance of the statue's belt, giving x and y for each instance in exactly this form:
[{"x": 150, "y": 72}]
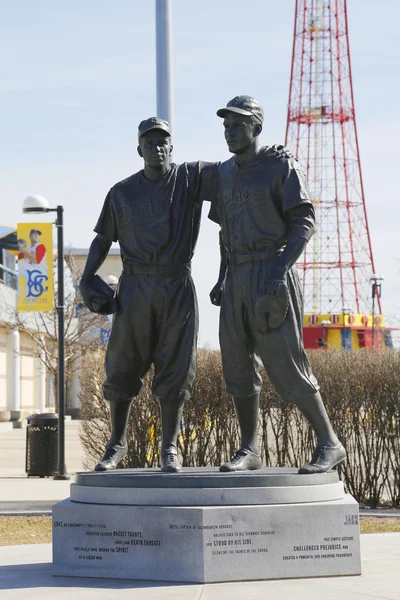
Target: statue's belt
[
  {"x": 175, "y": 270},
  {"x": 236, "y": 258}
]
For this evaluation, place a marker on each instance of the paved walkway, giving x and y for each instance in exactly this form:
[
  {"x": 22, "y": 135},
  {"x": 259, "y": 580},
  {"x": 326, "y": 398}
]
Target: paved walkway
[
  {"x": 25, "y": 572},
  {"x": 13, "y": 445},
  {"x": 22, "y": 495}
]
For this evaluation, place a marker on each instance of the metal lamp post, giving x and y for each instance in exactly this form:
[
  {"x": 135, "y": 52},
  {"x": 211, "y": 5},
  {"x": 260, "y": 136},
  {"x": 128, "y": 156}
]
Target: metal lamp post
[
  {"x": 163, "y": 60},
  {"x": 38, "y": 205},
  {"x": 376, "y": 292}
]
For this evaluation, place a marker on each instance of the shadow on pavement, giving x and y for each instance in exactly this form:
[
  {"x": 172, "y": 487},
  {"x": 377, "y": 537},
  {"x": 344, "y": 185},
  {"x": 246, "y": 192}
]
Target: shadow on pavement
[{"x": 39, "y": 575}]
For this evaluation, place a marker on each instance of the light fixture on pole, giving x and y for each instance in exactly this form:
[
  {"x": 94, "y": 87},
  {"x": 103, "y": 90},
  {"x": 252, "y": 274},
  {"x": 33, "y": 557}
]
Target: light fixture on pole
[
  {"x": 376, "y": 293},
  {"x": 33, "y": 205}
]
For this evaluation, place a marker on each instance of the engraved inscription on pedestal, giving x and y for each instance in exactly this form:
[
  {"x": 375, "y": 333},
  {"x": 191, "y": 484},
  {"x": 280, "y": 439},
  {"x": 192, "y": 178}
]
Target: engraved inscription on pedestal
[
  {"x": 99, "y": 539},
  {"x": 207, "y": 544},
  {"x": 293, "y": 542}
]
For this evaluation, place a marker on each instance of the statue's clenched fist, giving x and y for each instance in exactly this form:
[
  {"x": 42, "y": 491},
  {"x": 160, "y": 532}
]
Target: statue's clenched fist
[{"x": 216, "y": 293}]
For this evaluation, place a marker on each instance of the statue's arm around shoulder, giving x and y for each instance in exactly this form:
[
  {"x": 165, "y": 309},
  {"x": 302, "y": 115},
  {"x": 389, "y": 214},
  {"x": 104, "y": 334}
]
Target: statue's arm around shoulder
[
  {"x": 280, "y": 151},
  {"x": 208, "y": 180}
]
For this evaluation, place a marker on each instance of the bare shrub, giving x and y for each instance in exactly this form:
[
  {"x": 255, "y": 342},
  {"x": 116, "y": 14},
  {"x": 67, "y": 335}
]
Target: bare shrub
[
  {"x": 361, "y": 391},
  {"x": 144, "y": 422}
]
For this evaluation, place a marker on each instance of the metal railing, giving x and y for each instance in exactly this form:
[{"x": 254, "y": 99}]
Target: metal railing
[{"x": 9, "y": 277}]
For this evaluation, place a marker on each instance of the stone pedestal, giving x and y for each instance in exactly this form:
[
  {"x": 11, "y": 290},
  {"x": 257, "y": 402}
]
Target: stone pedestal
[{"x": 203, "y": 526}]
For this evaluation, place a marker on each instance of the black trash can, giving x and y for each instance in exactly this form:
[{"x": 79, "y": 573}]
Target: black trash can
[{"x": 41, "y": 459}]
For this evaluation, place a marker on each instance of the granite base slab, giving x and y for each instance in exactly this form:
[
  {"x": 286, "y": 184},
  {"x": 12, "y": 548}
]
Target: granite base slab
[
  {"x": 205, "y": 486},
  {"x": 204, "y": 544}
]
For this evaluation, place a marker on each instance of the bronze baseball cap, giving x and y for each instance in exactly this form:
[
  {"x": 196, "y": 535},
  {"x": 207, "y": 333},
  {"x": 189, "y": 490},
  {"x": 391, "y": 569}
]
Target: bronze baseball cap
[
  {"x": 243, "y": 105},
  {"x": 153, "y": 123}
]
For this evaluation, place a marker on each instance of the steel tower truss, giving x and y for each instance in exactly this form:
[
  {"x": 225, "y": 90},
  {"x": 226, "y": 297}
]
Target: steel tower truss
[{"x": 321, "y": 129}]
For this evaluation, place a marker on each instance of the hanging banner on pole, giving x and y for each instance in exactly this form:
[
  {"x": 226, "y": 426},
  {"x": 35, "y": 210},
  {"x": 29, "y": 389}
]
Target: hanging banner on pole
[{"x": 35, "y": 266}]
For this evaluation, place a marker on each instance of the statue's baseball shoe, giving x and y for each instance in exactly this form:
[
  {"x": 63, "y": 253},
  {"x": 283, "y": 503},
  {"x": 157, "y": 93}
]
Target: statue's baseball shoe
[
  {"x": 324, "y": 459},
  {"x": 169, "y": 462},
  {"x": 244, "y": 460},
  {"x": 112, "y": 457}
]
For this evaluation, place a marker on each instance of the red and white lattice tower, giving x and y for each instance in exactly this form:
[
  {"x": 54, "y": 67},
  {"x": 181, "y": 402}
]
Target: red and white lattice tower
[{"x": 321, "y": 130}]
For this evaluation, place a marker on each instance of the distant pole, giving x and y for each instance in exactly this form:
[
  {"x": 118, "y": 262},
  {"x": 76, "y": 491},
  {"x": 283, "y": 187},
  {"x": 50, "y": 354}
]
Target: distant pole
[
  {"x": 373, "y": 314},
  {"x": 61, "y": 346},
  {"x": 163, "y": 59},
  {"x": 13, "y": 356},
  {"x": 376, "y": 293}
]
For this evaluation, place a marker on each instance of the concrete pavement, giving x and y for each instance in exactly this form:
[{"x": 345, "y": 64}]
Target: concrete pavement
[
  {"x": 13, "y": 445},
  {"x": 25, "y": 572},
  {"x": 22, "y": 495}
]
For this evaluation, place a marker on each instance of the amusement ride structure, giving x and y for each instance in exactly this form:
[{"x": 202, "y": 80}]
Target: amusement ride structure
[{"x": 341, "y": 289}]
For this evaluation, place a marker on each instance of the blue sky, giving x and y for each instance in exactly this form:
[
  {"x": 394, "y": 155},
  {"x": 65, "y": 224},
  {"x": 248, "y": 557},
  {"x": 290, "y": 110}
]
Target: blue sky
[{"x": 77, "y": 77}]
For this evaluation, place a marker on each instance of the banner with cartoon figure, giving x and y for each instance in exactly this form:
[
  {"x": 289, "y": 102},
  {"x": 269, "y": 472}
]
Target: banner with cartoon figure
[{"x": 35, "y": 266}]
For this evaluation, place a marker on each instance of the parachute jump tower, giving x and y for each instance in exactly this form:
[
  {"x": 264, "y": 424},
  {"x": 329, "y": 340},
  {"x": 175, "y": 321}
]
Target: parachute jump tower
[{"x": 337, "y": 269}]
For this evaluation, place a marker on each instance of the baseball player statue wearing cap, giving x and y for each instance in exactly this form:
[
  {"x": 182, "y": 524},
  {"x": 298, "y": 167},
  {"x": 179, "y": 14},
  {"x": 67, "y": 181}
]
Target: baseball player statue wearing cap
[
  {"x": 155, "y": 216},
  {"x": 263, "y": 207}
]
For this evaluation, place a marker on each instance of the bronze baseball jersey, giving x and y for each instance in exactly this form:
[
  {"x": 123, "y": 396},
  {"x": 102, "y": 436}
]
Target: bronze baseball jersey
[
  {"x": 156, "y": 225},
  {"x": 256, "y": 206}
]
